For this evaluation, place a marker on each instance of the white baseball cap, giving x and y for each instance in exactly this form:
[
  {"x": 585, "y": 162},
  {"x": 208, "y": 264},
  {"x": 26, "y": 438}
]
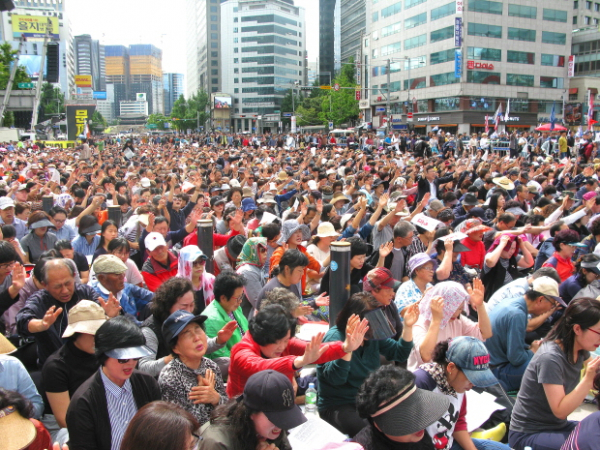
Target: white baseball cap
[{"x": 154, "y": 240}]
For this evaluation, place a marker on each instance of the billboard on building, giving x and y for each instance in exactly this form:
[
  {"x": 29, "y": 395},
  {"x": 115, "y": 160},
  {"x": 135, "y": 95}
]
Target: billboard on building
[
  {"x": 99, "y": 95},
  {"x": 32, "y": 64},
  {"x": 83, "y": 81},
  {"x": 77, "y": 117},
  {"x": 222, "y": 102},
  {"x": 573, "y": 113},
  {"x": 140, "y": 97},
  {"x": 34, "y": 26}
]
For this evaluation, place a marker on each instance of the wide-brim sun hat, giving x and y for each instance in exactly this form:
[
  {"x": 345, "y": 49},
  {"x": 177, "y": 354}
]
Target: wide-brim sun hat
[
  {"x": 6, "y": 347},
  {"x": 289, "y": 227},
  {"x": 17, "y": 431},
  {"x": 504, "y": 183},
  {"x": 326, "y": 229}
]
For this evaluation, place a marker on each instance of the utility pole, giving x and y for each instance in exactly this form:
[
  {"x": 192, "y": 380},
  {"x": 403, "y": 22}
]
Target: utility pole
[
  {"x": 388, "y": 107},
  {"x": 11, "y": 80},
  {"x": 408, "y": 104}
]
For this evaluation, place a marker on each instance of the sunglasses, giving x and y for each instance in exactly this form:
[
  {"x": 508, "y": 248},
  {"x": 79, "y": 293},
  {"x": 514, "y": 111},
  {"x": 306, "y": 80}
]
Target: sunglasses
[
  {"x": 125, "y": 361},
  {"x": 199, "y": 263}
]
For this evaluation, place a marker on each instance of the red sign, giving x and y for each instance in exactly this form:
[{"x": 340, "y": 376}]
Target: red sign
[
  {"x": 478, "y": 65},
  {"x": 409, "y": 115},
  {"x": 357, "y": 95}
]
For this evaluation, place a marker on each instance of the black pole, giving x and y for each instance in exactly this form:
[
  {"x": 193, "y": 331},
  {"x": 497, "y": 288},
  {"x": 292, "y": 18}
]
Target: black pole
[
  {"x": 205, "y": 242},
  {"x": 47, "y": 203},
  {"x": 339, "y": 281},
  {"x": 114, "y": 214}
]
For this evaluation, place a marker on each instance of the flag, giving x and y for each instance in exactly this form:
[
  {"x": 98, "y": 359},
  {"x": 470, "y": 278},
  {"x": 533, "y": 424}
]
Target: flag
[
  {"x": 487, "y": 125},
  {"x": 564, "y": 109},
  {"x": 497, "y": 117},
  {"x": 507, "y": 110},
  {"x": 591, "y": 120},
  {"x": 86, "y": 131},
  {"x": 552, "y": 116}
]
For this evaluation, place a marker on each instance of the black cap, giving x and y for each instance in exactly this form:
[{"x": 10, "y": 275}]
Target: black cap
[
  {"x": 469, "y": 200},
  {"x": 235, "y": 244},
  {"x": 217, "y": 199},
  {"x": 176, "y": 322},
  {"x": 272, "y": 393},
  {"x": 477, "y": 212}
]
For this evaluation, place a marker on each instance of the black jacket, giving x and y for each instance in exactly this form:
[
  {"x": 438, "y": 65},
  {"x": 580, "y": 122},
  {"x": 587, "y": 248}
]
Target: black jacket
[
  {"x": 424, "y": 185},
  {"x": 87, "y": 417}
]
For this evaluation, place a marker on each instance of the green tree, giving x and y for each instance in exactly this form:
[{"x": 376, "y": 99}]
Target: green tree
[
  {"x": 7, "y": 56},
  {"x": 307, "y": 114},
  {"x": 9, "y": 119},
  {"x": 159, "y": 120},
  {"x": 52, "y": 102},
  {"x": 341, "y": 106},
  {"x": 290, "y": 104},
  {"x": 98, "y": 122},
  {"x": 187, "y": 114}
]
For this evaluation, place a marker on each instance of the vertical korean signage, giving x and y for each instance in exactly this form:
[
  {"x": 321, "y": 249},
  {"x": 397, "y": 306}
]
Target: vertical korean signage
[
  {"x": 458, "y": 31},
  {"x": 571, "y": 66},
  {"x": 77, "y": 117},
  {"x": 457, "y": 63},
  {"x": 460, "y": 4}
]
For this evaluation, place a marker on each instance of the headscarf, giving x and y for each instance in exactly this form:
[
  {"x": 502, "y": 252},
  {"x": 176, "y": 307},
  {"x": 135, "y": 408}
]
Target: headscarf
[
  {"x": 187, "y": 256},
  {"x": 453, "y": 293},
  {"x": 508, "y": 244},
  {"x": 249, "y": 253}
]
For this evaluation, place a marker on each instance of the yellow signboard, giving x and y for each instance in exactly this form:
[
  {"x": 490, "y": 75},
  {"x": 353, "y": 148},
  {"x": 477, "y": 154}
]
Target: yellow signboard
[
  {"x": 83, "y": 80},
  {"x": 325, "y": 87},
  {"x": 34, "y": 26}
]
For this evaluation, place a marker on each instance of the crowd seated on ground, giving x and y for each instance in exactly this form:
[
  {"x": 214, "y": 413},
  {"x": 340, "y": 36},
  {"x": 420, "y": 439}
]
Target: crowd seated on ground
[{"x": 124, "y": 324}]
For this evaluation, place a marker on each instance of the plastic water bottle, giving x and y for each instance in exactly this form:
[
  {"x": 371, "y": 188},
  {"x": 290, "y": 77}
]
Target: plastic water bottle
[{"x": 310, "y": 402}]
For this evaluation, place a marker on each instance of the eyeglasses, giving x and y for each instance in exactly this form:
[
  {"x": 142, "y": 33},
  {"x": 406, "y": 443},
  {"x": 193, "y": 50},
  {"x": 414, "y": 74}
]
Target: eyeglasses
[
  {"x": 7, "y": 265},
  {"x": 427, "y": 268},
  {"x": 552, "y": 302},
  {"x": 125, "y": 361},
  {"x": 594, "y": 331}
]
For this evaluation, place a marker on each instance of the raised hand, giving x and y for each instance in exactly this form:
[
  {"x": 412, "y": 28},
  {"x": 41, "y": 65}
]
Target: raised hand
[
  {"x": 302, "y": 310},
  {"x": 437, "y": 308},
  {"x": 18, "y": 276},
  {"x": 314, "y": 350},
  {"x": 477, "y": 293},
  {"x": 383, "y": 200},
  {"x": 319, "y": 206},
  {"x": 386, "y": 249},
  {"x": 225, "y": 333},
  {"x": 411, "y": 315},
  {"x": 449, "y": 245},
  {"x": 322, "y": 300},
  {"x": 111, "y": 306},
  {"x": 355, "y": 333},
  {"x": 50, "y": 317}
]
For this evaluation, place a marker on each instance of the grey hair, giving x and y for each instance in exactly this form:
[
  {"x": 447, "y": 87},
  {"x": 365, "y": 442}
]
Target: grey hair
[
  {"x": 283, "y": 297},
  {"x": 547, "y": 272},
  {"x": 55, "y": 264},
  {"x": 402, "y": 228}
]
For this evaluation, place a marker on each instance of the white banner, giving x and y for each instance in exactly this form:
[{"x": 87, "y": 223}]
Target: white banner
[
  {"x": 571, "y": 71},
  {"x": 293, "y": 124}
]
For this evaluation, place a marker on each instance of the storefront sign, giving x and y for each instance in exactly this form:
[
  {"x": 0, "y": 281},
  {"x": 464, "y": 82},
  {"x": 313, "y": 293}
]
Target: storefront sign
[
  {"x": 457, "y": 63},
  {"x": 509, "y": 119},
  {"x": 428, "y": 119},
  {"x": 479, "y": 65},
  {"x": 458, "y": 32}
]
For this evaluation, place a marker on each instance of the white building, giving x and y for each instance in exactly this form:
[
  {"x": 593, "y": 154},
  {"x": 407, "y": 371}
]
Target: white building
[
  {"x": 136, "y": 108},
  {"x": 510, "y": 50},
  {"x": 262, "y": 56}
]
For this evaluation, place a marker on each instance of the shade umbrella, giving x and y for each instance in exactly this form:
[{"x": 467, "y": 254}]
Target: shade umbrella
[{"x": 548, "y": 126}]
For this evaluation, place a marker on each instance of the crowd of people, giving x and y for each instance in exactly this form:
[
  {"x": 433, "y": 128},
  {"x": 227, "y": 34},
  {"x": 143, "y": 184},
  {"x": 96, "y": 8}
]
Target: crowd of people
[{"x": 469, "y": 268}]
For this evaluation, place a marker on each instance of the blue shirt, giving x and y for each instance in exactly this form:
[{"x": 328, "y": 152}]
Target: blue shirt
[
  {"x": 20, "y": 227},
  {"x": 509, "y": 325},
  {"x": 514, "y": 289},
  {"x": 80, "y": 244},
  {"x": 66, "y": 232},
  {"x": 133, "y": 299},
  {"x": 121, "y": 408},
  {"x": 14, "y": 377}
]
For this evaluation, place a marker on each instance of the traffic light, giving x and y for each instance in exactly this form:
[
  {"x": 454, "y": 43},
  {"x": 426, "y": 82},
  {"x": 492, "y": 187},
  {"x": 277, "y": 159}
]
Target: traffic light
[{"x": 52, "y": 62}]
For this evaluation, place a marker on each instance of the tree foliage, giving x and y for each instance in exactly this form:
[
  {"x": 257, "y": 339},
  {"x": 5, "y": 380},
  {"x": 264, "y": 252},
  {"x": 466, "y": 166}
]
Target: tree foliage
[
  {"x": 341, "y": 106},
  {"x": 98, "y": 121},
  {"x": 290, "y": 104},
  {"x": 52, "y": 102},
  {"x": 159, "y": 120},
  {"x": 7, "y": 56},
  {"x": 187, "y": 114}
]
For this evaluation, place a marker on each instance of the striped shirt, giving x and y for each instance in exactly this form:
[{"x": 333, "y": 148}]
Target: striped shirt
[{"x": 121, "y": 408}]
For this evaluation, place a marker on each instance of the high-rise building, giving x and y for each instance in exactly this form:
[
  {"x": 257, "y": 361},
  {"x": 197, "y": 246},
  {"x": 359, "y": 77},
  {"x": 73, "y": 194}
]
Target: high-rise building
[
  {"x": 117, "y": 75},
  {"x": 45, "y": 8},
  {"x": 507, "y": 55},
  {"x": 89, "y": 60},
  {"x": 353, "y": 24},
  {"x": 173, "y": 89},
  {"x": 203, "y": 49},
  {"x": 326, "y": 39},
  {"x": 262, "y": 58}
]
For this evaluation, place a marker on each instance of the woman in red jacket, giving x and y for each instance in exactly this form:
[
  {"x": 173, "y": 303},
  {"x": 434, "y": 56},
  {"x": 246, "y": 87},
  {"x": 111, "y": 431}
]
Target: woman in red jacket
[{"x": 270, "y": 344}]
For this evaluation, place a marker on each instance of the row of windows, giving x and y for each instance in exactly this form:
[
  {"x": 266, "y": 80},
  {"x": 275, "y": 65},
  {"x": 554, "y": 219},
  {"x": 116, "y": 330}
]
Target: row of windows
[
  {"x": 495, "y": 54},
  {"x": 481, "y": 77},
  {"x": 518, "y": 34},
  {"x": 515, "y": 10},
  {"x": 443, "y": 11}
]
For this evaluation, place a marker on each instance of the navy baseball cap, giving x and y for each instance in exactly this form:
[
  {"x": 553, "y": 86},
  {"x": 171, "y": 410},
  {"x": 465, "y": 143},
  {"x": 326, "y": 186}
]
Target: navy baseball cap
[
  {"x": 472, "y": 357},
  {"x": 176, "y": 322}
]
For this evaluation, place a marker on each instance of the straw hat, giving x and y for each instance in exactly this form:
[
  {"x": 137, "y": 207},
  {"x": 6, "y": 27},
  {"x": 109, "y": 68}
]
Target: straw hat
[
  {"x": 17, "y": 432},
  {"x": 337, "y": 197},
  {"x": 504, "y": 182},
  {"x": 6, "y": 347},
  {"x": 326, "y": 229}
]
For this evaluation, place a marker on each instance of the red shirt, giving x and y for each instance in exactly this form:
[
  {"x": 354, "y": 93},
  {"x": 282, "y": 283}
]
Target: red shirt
[
  {"x": 246, "y": 360},
  {"x": 156, "y": 274},
  {"x": 475, "y": 257},
  {"x": 219, "y": 240},
  {"x": 564, "y": 266}
]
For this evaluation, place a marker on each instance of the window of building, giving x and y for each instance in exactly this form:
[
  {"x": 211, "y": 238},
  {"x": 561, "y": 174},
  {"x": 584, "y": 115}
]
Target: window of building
[
  {"x": 527, "y": 12},
  {"x": 595, "y": 21},
  {"x": 484, "y": 54},
  {"x": 235, "y": 30},
  {"x": 391, "y": 10},
  {"x": 415, "y": 63},
  {"x": 236, "y": 80},
  {"x": 235, "y": 20},
  {"x": 214, "y": 18},
  {"x": 235, "y": 50},
  {"x": 366, "y": 42},
  {"x": 214, "y": 9},
  {"x": 214, "y": 72},
  {"x": 214, "y": 45},
  {"x": 443, "y": 78},
  {"x": 214, "y": 27},
  {"x": 395, "y": 67},
  {"x": 236, "y": 90},
  {"x": 391, "y": 48},
  {"x": 552, "y": 82},
  {"x": 214, "y": 81},
  {"x": 235, "y": 40},
  {"x": 416, "y": 41},
  {"x": 483, "y": 77},
  {"x": 416, "y": 83},
  {"x": 588, "y": 5},
  {"x": 442, "y": 34},
  {"x": 411, "y": 3},
  {"x": 391, "y": 29},
  {"x": 214, "y": 62},
  {"x": 575, "y": 4},
  {"x": 485, "y": 30},
  {"x": 375, "y": 16},
  {"x": 375, "y": 53},
  {"x": 573, "y": 97},
  {"x": 236, "y": 70},
  {"x": 415, "y": 21},
  {"x": 214, "y": 36},
  {"x": 549, "y": 37},
  {"x": 214, "y": 54},
  {"x": 555, "y": 15},
  {"x": 520, "y": 57},
  {"x": 513, "y": 79},
  {"x": 521, "y": 34},
  {"x": 482, "y": 104},
  {"x": 597, "y": 7},
  {"x": 443, "y": 11},
  {"x": 446, "y": 104},
  {"x": 236, "y": 60},
  {"x": 485, "y": 6},
  {"x": 574, "y": 20},
  {"x": 441, "y": 57},
  {"x": 587, "y": 20}
]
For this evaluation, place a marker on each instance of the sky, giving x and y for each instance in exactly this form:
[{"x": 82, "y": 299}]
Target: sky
[{"x": 158, "y": 22}]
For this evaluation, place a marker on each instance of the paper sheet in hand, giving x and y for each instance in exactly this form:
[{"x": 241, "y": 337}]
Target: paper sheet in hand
[
  {"x": 314, "y": 434},
  {"x": 129, "y": 154},
  {"x": 308, "y": 330},
  {"x": 479, "y": 408},
  {"x": 429, "y": 223}
]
